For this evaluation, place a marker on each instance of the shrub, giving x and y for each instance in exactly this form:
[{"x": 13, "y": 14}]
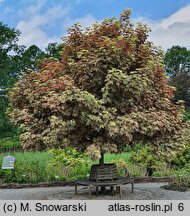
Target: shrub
[
  {"x": 29, "y": 168},
  {"x": 143, "y": 155},
  {"x": 152, "y": 164},
  {"x": 122, "y": 166},
  {"x": 67, "y": 164},
  {"x": 163, "y": 170},
  {"x": 186, "y": 116},
  {"x": 9, "y": 144},
  {"x": 181, "y": 181},
  {"x": 181, "y": 158},
  {"x": 28, "y": 172}
]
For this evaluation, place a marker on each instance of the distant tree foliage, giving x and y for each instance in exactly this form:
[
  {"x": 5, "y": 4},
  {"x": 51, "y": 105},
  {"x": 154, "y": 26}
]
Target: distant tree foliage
[
  {"x": 106, "y": 91},
  {"x": 177, "y": 60},
  {"x": 177, "y": 66},
  {"x": 8, "y": 44},
  {"x": 53, "y": 50},
  {"x": 15, "y": 59}
]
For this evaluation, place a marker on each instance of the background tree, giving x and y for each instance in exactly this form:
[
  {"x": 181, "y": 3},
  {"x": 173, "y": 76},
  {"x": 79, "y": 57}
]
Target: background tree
[
  {"x": 177, "y": 60},
  {"x": 53, "y": 50},
  {"x": 8, "y": 44},
  {"x": 177, "y": 66},
  {"x": 107, "y": 90},
  {"x": 28, "y": 58},
  {"x": 14, "y": 59}
]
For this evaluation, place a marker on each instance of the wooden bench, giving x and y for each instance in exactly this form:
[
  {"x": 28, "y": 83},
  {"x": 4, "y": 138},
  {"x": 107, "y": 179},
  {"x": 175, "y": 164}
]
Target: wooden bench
[{"x": 115, "y": 183}]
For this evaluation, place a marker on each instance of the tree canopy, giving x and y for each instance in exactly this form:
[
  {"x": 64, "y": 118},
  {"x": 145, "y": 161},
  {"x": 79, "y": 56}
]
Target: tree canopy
[
  {"x": 106, "y": 91},
  {"x": 8, "y": 43},
  {"x": 15, "y": 59},
  {"x": 177, "y": 66},
  {"x": 177, "y": 60}
]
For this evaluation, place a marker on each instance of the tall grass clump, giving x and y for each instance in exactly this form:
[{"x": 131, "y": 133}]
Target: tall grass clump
[{"x": 29, "y": 167}]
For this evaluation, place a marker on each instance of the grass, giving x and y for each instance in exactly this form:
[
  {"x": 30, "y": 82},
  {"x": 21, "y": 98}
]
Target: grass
[
  {"x": 44, "y": 157},
  {"x": 28, "y": 157},
  {"x": 30, "y": 167},
  {"x": 111, "y": 157}
]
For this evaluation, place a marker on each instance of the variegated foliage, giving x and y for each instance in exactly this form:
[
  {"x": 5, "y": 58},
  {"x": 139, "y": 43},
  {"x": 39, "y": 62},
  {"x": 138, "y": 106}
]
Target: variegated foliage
[{"x": 107, "y": 90}]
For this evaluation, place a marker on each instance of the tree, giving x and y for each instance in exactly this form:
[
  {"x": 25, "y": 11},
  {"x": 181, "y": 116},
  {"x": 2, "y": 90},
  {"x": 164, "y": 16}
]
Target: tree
[
  {"x": 8, "y": 44},
  {"x": 53, "y": 50},
  {"x": 107, "y": 90},
  {"x": 177, "y": 66},
  {"x": 182, "y": 85},
  {"x": 28, "y": 58},
  {"x": 13, "y": 60},
  {"x": 177, "y": 60}
]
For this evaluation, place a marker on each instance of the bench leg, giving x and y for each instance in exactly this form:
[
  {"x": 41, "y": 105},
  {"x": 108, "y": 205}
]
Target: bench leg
[
  {"x": 103, "y": 190},
  {"x": 89, "y": 190},
  {"x": 112, "y": 190},
  {"x": 132, "y": 187},
  {"x": 97, "y": 191},
  {"x": 120, "y": 192},
  {"x": 75, "y": 189},
  {"x": 118, "y": 189}
]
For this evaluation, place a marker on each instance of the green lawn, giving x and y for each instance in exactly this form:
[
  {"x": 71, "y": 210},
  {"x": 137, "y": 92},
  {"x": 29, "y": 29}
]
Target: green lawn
[
  {"x": 30, "y": 167},
  {"x": 110, "y": 157}
]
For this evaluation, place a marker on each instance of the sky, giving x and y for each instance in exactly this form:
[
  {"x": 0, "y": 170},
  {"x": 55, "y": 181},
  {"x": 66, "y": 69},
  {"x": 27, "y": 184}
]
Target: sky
[{"x": 44, "y": 21}]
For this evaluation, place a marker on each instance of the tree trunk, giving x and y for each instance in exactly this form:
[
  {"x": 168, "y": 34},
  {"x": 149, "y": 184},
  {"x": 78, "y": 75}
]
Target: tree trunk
[{"x": 101, "y": 161}]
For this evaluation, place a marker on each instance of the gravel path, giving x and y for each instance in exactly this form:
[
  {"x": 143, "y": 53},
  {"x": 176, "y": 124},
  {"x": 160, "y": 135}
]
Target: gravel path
[{"x": 145, "y": 191}]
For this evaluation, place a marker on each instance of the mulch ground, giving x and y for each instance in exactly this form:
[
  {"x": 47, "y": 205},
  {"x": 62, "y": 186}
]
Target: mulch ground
[{"x": 72, "y": 183}]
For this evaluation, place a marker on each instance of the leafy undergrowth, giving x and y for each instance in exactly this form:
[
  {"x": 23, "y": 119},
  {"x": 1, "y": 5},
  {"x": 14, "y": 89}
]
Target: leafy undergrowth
[
  {"x": 9, "y": 143},
  {"x": 29, "y": 167},
  {"x": 181, "y": 180},
  {"x": 66, "y": 165},
  {"x": 59, "y": 165}
]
